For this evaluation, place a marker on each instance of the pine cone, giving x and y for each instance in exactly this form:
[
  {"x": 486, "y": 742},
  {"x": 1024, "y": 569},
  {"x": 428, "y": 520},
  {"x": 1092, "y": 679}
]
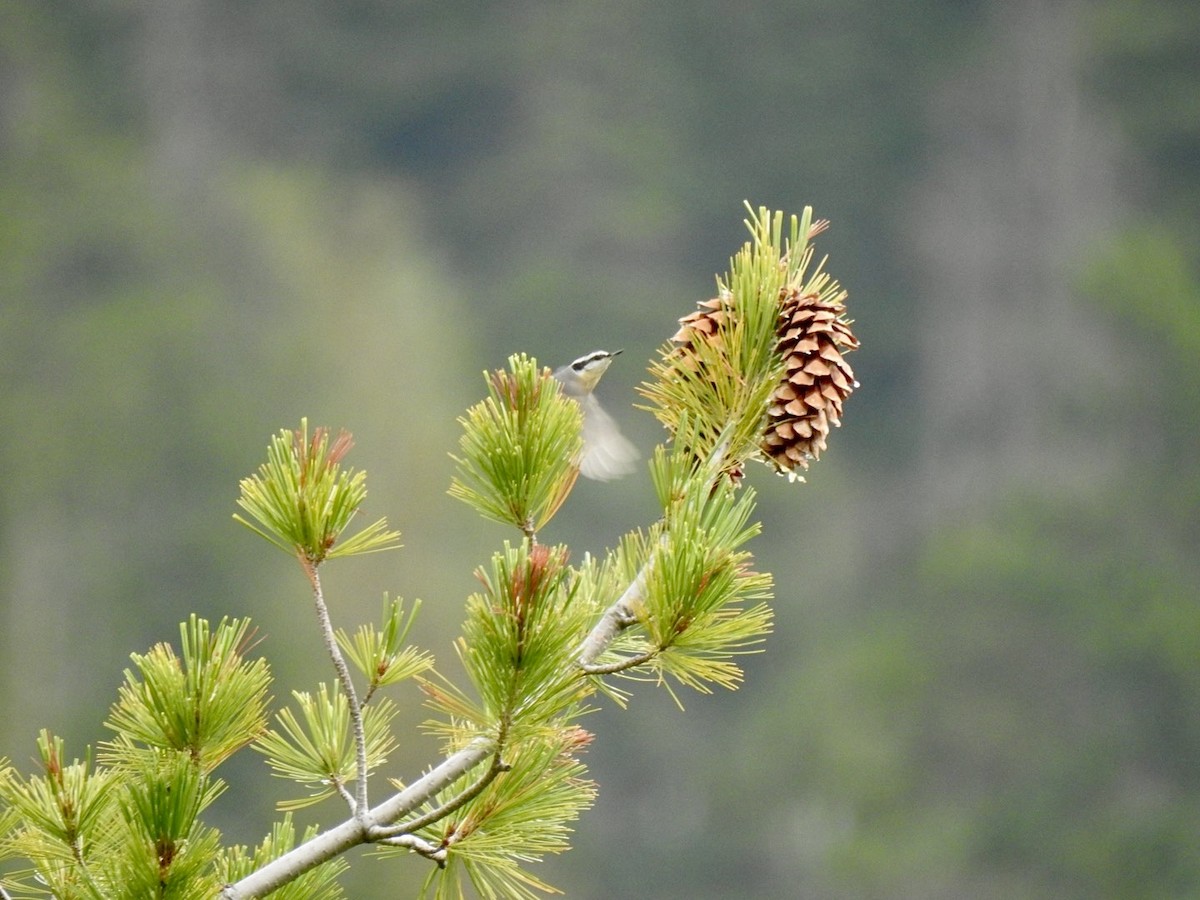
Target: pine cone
[
  {"x": 703, "y": 324},
  {"x": 813, "y": 335}
]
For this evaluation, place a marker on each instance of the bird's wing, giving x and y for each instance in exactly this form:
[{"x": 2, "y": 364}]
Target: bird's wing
[{"x": 607, "y": 454}]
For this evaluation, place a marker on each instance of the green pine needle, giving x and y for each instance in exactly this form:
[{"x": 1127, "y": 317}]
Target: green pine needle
[
  {"x": 316, "y": 748},
  {"x": 519, "y": 448},
  {"x": 521, "y": 635},
  {"x": 722, "y": 385},
  {"x": 167, "y": 795},
  {"x": 62, "y": 808},
  {"x": 207, "y": 704},
  {"x": 302, "y": 500},
  {"x": 524, "y": 814},
  {"x": 693, "y": 617},
  {"x": 380, "y": 654},
  {"x": 315, "y": 884},
  {"x": 167, "y": 851}
]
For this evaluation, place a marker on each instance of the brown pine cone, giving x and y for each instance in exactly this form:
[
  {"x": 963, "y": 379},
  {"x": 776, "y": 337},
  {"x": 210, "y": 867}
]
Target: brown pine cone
[{"x": 813, "y": 336}]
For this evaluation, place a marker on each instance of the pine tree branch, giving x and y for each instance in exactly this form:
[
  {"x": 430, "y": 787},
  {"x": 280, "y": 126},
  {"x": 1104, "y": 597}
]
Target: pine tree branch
[
  {"x": 359, "y": 805},
  {"x": 392, "y": 834},
  {"x": 352, "y": 832},
  {"x": 344, "y": 793},
  {"x": 435, "y": 852},
  {"x": 629, "y": 662},
  {"x": 616, "y": 619},
  {"x": 621, "y": 614}
]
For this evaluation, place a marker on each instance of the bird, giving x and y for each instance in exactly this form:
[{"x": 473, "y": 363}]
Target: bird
[{"x": 607, "y": 454}]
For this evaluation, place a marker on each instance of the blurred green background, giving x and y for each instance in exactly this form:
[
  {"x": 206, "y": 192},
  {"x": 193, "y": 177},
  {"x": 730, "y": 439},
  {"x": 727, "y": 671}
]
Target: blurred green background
[{"x": 218, "y": 217}]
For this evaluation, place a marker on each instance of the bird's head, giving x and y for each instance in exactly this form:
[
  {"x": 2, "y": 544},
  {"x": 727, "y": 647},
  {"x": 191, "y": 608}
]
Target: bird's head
[{"x": 589, "y": 367}]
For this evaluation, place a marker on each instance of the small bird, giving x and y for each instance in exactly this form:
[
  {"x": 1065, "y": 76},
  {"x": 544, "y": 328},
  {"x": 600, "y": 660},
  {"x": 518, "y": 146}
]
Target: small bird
[{"x": 606, "y": 452}]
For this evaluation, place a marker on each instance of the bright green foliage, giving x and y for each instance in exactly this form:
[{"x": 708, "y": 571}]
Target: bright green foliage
[
  {"x": 519, "y": 640},
  {"x": 131, "y": 827},
  {"x": 698, "y": 584},
  {"x": 316, "y": 749},
  {"x": 519, "y": 448},
  {"x": 208, "y": 705},
  {"x": 700, "y": 603},
  {"x": 315, "y": 884},
  {"x": 64, "y": 815},
  {"x": 380, "y": 654},
  {"x": 681, "y": 600},
  {"x": 166, "y": 851},
  {"x": 131, "y": 831},
  {"x": 626, "y": 565},
  {"x": 302, "y": 498},
  {"x": 520, "y": 817}
]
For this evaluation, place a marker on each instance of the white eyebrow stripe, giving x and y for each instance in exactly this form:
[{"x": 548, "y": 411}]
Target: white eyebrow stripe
[{"x": 590, "y": 357}]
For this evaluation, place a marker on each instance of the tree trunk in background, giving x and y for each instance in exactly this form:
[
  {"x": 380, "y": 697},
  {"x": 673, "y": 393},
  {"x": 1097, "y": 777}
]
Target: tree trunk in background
[{"x": 1021, "y": 182}]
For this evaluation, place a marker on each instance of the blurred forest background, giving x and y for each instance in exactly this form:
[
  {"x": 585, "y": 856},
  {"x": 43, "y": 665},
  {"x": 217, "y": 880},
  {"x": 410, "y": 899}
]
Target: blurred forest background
[{"x": 218, "y": 217}]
